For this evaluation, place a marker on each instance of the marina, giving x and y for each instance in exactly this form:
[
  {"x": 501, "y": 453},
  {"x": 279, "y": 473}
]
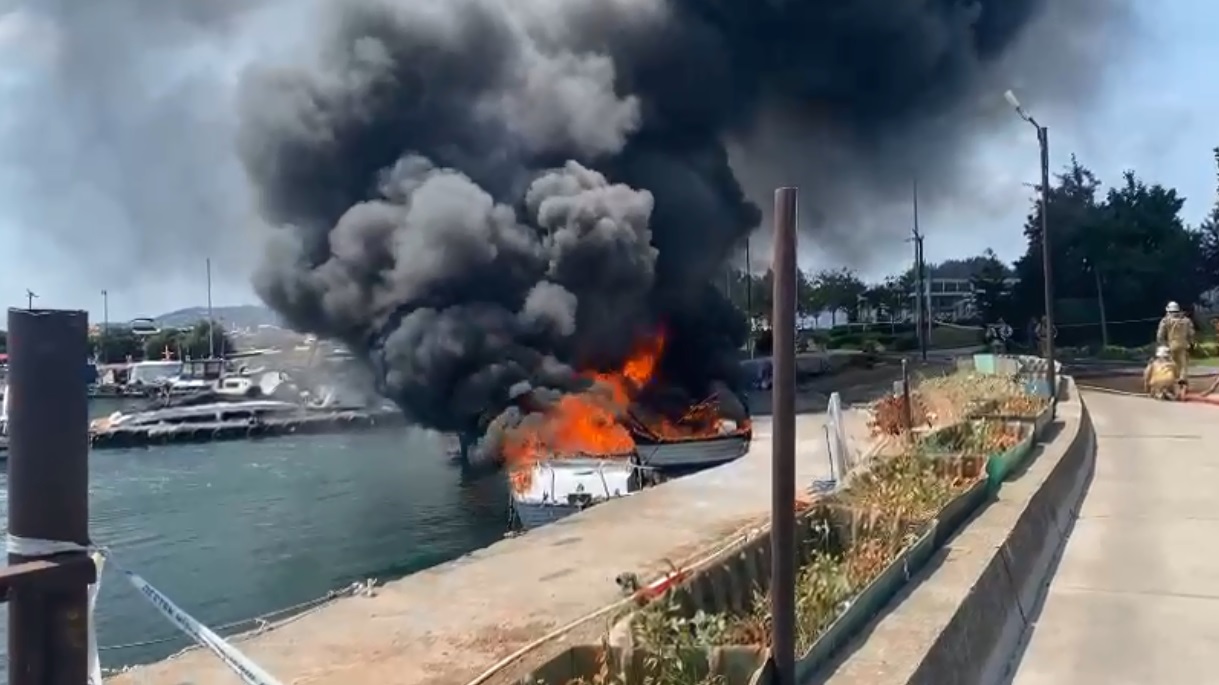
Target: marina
[
  {"x": 232, "y": 420},
  {"x": 549, "y": 490},
  {"x": 234, "y": 530}
]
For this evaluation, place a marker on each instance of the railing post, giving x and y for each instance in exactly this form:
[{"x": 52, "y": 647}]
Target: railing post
[{"x": 48, "y": 489}]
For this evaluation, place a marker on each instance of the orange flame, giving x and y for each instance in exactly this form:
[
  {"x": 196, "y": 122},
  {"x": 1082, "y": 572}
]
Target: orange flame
[
  {"x": 595, "y": 422},
  {"x": 585, "y": 424}
]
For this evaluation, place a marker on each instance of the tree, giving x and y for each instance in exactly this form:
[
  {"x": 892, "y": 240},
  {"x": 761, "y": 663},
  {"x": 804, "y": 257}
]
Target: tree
[
  {"x": 193, "y": 343},
  {"x": 1134, "y": 232},
  {"x": 811, "y": 297},
  {"x": 1208, "y": 238},
  {"x": 842, "y": 290},
  {"x": 874, "y": 299},
  {"x": 1072, "y": 207},
  {"x": 115, "y": 344},
  {"x": 990, "y": 287},
  {"x": 893, "y": 296},
  {"x": 1141, "y": 236},
  {"x": 3, "y": 342}
]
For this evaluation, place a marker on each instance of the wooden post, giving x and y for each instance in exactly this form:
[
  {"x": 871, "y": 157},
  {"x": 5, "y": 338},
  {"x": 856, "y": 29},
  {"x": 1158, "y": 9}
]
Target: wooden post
[{"x": 48, "y": 492}]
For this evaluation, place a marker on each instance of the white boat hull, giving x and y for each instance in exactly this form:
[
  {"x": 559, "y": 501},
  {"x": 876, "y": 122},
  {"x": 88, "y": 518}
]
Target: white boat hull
[
  {"x": 535, "y": 515},
  {"x": 562, "y": 487},
  {"x": 687, "y": 454}
]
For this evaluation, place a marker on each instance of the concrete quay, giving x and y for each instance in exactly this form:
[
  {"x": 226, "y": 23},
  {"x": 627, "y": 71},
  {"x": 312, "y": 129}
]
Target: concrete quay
[
  {"x": 446, "y": 625},
  {"x": 1135, "y": 597}
]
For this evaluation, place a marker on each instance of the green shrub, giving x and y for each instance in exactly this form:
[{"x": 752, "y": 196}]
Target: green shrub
[
  {"x": 1204, "y": 350},
  {"x": 844, "y": 341},
  {"x": 904, "y": 342},
  {"x": 1115, "y": 353},
  {"x": 1072, "y": 352}
]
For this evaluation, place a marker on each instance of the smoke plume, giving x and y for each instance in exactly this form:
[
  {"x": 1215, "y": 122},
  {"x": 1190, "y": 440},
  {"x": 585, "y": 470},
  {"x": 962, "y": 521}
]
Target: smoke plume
[
  {"x": 119, "y": 136},
  {"x": 482, "y": 196}
]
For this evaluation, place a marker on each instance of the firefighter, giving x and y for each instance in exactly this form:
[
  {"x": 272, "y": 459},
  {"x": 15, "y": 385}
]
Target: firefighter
[
  {"x": 1160, "y": 376},
  {"x": 1176, "y": 331}
]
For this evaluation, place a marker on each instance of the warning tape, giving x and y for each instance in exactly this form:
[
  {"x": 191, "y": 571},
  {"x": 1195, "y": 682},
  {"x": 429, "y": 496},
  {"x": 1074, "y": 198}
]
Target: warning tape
[{"x": 249, "y": 672}]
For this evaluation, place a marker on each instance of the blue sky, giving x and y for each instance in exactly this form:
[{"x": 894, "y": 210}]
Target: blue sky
[{"x": 1156, "y": 115}]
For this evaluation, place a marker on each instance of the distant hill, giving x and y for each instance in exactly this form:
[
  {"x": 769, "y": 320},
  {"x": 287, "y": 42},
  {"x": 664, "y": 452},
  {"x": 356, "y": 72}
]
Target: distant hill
[{"x": 241, "y": 316}]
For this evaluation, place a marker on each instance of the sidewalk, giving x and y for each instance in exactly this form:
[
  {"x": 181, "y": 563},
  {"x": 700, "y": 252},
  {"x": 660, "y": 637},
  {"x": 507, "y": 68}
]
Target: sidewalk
[{"x": 1135, "y": 598}]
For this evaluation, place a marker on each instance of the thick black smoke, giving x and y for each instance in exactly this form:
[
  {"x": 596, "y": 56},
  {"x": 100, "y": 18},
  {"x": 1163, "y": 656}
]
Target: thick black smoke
[{"x": 481, "y": 195}]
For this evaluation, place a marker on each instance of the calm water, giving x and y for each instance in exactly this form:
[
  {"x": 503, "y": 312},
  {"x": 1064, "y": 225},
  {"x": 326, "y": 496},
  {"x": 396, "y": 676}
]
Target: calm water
[{"x": 235, "y": 529}]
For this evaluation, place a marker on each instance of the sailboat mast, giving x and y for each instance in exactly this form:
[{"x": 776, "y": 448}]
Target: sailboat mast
[{"x": 211, "y": 323}]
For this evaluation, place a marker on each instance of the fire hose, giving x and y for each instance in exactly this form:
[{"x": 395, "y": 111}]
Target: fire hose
[
  {"x": 655, "y": 588},
  {"x": 1203, "y": 398}
]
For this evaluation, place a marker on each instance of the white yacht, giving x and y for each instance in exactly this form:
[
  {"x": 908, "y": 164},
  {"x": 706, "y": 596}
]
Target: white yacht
[
  {"x": 207, "y": 414},
  {"x": 557, "y": 488}
]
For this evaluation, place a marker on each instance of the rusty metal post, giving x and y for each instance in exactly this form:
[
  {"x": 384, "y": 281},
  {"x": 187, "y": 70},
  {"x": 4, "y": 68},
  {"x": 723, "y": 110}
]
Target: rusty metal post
[
  {"x": 783, "y": 454},
  {"x": 48, "y": 489}
]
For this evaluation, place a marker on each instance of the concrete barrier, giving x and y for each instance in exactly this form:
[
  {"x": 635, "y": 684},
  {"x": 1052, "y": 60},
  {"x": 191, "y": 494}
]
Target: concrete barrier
[{"x": 964, "y": 617}]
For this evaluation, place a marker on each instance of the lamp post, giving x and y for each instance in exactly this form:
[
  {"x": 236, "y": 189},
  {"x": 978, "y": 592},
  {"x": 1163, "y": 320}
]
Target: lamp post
[
  {"x": 1043, "y": 142},
  {"x": 105, "y": 325},
  {"x": 749, "y": 295}
]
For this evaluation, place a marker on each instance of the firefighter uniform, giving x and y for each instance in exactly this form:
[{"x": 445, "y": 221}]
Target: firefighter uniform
[
  {"x": 1160, "y": 376},
  {"x": 1176, "y": 332}
]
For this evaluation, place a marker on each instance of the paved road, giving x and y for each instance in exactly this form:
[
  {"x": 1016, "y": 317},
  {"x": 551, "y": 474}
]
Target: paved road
[{"x": 1135, "y": 598}]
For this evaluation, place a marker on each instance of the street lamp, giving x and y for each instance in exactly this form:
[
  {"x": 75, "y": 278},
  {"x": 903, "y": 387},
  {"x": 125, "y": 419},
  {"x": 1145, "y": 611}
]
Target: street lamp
[
  {"x": 1043, "y": 142},
  {"x": 105, "y": 325}
]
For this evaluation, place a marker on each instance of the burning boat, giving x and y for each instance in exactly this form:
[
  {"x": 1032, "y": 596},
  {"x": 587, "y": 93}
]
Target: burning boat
[
  {"x": 550, "y": 490},
  {"x": 709, "y": 433},
  {"x": 565, "y": 453}
]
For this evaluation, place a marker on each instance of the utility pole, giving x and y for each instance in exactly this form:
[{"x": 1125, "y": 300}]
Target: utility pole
[
  {"x": 919, "y": 318},
  {"x": 749, "y": 295},
  {"x": 1100, "y": 302},
  {"x": 30, "y": 296},
  {"x": 1043, "y": 142},
  {"x": 211, "y": 324},
  {"x": 101, "y": 348}
]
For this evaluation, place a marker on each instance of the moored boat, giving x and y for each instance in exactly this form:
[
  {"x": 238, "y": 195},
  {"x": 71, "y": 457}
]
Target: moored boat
[
  {"x": 207, "y": 413},
  {"x": 693, "y": 453},
  {"x": 557, "y": 488}
]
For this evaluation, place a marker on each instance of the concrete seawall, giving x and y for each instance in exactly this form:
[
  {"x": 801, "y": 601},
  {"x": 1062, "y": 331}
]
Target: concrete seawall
[{"x": 446, "y": 625}]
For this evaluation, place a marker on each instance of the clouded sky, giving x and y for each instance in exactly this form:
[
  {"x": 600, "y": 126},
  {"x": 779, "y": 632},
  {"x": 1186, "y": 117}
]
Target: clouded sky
[{"x": 107, "y": 219}]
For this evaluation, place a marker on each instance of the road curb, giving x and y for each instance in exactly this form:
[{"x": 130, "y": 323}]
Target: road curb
[{"x": 966, "y": 617}]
